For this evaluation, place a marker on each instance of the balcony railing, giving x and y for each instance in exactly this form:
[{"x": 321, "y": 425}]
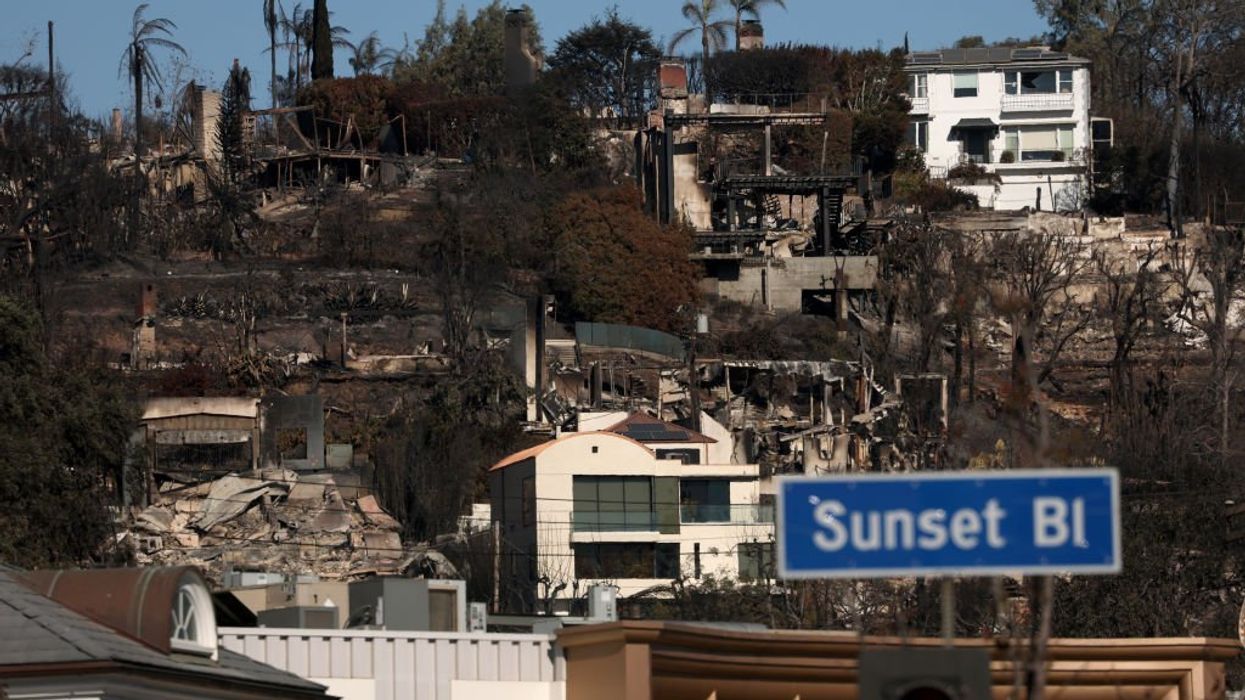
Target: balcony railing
[
  {"x": 920, "y": 105},
  {"x": 614, "y": 521},
  {"x": 704, "y": 514},
  {"x": 1045, "y": 102}
]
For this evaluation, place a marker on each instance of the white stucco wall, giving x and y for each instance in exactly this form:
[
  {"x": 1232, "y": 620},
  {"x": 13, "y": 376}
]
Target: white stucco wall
[
  {"x": 1064, "y": 181},
  {"x": 381, "y": 665}
]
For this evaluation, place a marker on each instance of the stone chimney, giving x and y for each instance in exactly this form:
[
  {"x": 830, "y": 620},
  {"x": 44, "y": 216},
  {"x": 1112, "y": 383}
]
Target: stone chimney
[
  {"x": 521, "y": 63},
  {"x": 143, "y": 342},
  {"x": 751, "y": 35},
  {"x": 204, "y": 114}
]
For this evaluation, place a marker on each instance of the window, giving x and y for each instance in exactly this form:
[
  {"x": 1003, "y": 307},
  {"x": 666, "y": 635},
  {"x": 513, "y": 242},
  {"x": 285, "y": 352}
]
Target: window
[
  {"x": 192, "y": 620},
  {"x": 529, "y": 501},
  {"x": 613, "y": 503},
  {"x": 756, "y": 560},
  {"x": 920, "y": 85},
  {"x": 684, "y": 455},
  {"x": 1039, "y": 143},
  {"x": 705, "y": 500},
  {"x": 918, "y": 135},
  {"x": 1043, "y": 82},
  {"x": 965, "y": 84},
  {"x": 627, "y": 560}
]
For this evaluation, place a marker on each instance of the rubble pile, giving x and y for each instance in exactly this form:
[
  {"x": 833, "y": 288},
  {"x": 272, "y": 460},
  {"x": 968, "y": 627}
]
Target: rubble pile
[{"x": 278, "y": 520}]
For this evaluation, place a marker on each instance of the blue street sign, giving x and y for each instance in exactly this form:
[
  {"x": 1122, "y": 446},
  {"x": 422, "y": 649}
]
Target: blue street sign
[{"x": 1017, "y": 522}]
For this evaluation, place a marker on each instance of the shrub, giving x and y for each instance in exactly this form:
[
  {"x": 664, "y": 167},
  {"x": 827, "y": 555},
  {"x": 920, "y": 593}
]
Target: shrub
[
  {"x": 1007, "y": 157},
  {"x": 972, "y": 172}
]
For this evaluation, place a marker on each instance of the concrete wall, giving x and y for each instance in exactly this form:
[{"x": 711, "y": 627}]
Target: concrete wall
[
  {"x": 375, "y": 665},
  {"x": 780, "y": 286}
]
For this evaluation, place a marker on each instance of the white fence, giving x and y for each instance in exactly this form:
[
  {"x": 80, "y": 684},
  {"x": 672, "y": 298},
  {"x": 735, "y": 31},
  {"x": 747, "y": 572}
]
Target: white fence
[{"x": 381, "y": 665}]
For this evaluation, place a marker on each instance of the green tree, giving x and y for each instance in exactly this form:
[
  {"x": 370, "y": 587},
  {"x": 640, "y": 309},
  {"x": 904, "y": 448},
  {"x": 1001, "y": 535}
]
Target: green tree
[
  {"x": 466, "y": 56},
  {"x": 230, "y": 136},
  {"x": 65, "y": 431},
  {"x": 617, "y": 265},
  {"x": 321, "y": 42},
  {"x": 608, "y": 64},
  {"x": 271, "y": 23},
  {"x": 701, "y": 13},
  {"x": 230, "y": 189},
  {"x": 137, "y": 62},
  {"x": 752, "y": 8}
]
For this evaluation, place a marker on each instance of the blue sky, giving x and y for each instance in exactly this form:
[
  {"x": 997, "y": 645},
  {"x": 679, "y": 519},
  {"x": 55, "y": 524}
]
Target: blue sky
[{"x": 90, "y": 34}]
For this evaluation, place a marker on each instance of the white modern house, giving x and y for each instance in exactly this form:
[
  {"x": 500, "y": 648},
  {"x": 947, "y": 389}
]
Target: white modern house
[
  {"x": 1021, "y": 113},
  {"x": 635, "y": 503}
]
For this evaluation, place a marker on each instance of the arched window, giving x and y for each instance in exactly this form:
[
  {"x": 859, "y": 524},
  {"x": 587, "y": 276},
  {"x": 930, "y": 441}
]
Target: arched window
[{"x": 193, "y": 623}]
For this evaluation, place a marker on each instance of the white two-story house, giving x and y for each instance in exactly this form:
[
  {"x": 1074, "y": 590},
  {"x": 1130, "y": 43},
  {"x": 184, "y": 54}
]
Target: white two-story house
[
  {"x": 636, "y": 502},
  {"x": 1021, "y": 113}
]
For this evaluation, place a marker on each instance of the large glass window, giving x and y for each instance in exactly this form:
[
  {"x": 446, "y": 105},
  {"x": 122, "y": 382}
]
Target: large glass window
[
  {"x": 966, "y": 84},
  {"x": 1039, "y": 143},
  {"x": 918, "y": 135},
  {"x": 705, "y": 500},
  {"x": 1044, "y": 82},
  {"x": 613, "y": 503},
  {"x": 627, "y": 560},
  {"x": 756, "y": 560}
]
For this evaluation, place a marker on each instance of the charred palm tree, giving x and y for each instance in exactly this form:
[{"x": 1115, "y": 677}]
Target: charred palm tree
[{"x": 136, "y": 60}]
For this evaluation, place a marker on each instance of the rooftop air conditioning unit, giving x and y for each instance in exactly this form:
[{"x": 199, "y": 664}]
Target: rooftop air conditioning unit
[
  {"x": 299, "y": 617},
  {"x": 409, "y": 605}
]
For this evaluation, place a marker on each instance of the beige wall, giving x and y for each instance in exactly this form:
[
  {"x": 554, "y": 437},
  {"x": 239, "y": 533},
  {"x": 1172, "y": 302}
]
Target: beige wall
[
  {"x": 553, "y": 537},
  {"x": 673, "y": 661}
]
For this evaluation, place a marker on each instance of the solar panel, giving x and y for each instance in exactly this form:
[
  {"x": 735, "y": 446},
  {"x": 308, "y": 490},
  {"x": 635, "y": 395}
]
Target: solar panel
[
  {"x": 1027, "y": 54},
  {"x": 977, "y": 55},
  {"x": 925, "y": 58}
]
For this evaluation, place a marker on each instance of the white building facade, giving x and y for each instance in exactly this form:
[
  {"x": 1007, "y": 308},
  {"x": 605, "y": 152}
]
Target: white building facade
[
  {"x": 382, "y": 665},
  {"x": 636, "y": 505},
  {"x": 1022, "y": 114}
]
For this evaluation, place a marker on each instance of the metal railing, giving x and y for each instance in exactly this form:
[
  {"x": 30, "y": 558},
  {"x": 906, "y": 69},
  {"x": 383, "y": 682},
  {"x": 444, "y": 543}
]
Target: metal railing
[
  {"x": 1038, "y": 102},
  {"x": 920, "y": 105},
  {"x": 707, "y": 514},
  {"x": 613, "y": 521}
]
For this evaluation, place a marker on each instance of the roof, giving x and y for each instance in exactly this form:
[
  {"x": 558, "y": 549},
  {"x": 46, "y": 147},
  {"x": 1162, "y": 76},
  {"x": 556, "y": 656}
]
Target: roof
[
  {"x": 647, "y": 429},
  {"x": 171, "y": 407},
  {"x": 40, "y": 631},
  {"x": 974, "y": 123},
  {"x": 997, "y": 55},
  {"x": 533, "y": 452}
]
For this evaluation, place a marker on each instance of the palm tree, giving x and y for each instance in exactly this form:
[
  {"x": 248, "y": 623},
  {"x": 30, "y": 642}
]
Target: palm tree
[
  {"x": 271, "y": 22},
  {"x": 145, "y": 34},
  {"x": 298, "y": 29},
  {"x": 367, "y": 55},
  {"x": 712, "y": 32},
  {"x": 752, "y": 8}
]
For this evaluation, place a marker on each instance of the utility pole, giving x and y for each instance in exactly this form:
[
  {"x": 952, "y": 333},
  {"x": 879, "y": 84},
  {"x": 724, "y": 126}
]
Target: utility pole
[{"x": 496, "y": 567}]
